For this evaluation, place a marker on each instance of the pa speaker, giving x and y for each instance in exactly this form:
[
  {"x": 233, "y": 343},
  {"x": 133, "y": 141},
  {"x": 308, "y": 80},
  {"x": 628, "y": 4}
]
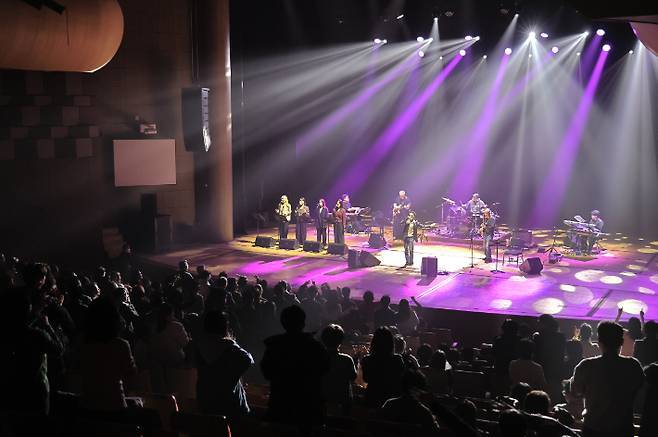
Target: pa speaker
[
  {"x": 196, "y": 131},
  {"x": 337, "y": 249},
  {"x": 311, "y": 246},
  {"x": 353, "y": 259},
  {"x": 532, "y": 266},
  {"x": 288, "y": 244},
  {"x": 429, "y": 266},
  {"x": 376, "y": 241},
  {"x": 367, "y": 259},
  {"x": 262, "y": 241}
]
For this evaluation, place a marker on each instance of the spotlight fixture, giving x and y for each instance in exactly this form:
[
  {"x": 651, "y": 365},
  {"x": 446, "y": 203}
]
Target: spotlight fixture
[
  {"x": 577, "y": 53},
  {"x": 600, "y": 32},
  {"x": 468, "y": 37},
  {"x": 585, "y": 33},
  {"x": 529, "y": 55},
  {"x": 555, "y": 49},
  {"x": 606, "y": 47},
  {"x": 377, "y": 41},
  {"x": 448, "y": 13},
  {"x": 420, "y": 39},
  {"x": 384, "y": 41},
  {"x": 516, "y": 15},
  {"x": 436, "y": 18},
  {"x": 399, "y": 17},
  {"x": 484, "y": 56},
  {"x": 532, "y": 35},
  {"x": 462, "y": 53},
  {"x": 421, "y": 53},
  {"x": 508, "y": 51},
  {"x": 440, "y": 58},
  {"x": 543, "y": 35},
  {"x": 630, "y": 52}
]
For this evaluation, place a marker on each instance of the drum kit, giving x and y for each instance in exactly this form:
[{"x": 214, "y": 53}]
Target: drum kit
[{"x": 460, "y": 223}]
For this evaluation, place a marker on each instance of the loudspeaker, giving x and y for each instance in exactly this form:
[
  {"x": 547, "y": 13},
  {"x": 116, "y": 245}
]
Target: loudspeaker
[
  {"x": 288, "y": 244},
  {"x": 311, "y": 246},
  {"x": 196, "y": 125},
  {"x": 353, "y": 259},
  {"x": 376, "y": 241},
  {"x": 367, "y": 259},
  {"x": 532, "y": 266},
  {"x": 429, "y": 266},
  {"x": 337, "y": 249},
  {"x": 262, "y": 241}
]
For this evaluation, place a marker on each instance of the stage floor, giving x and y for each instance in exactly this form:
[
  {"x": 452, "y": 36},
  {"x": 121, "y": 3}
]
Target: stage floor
[{"x": 624, "y": 274}]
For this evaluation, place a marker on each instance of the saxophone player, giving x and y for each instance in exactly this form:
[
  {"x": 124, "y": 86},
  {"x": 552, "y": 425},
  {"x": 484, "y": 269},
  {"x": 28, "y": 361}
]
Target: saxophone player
[
  {"x": 283, "y": 213},
  {"x": 487, "y": 232}
]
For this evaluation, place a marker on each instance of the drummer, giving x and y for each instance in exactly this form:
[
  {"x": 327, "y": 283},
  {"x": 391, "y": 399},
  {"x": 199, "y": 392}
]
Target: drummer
[{"x": 475, "y": 205}]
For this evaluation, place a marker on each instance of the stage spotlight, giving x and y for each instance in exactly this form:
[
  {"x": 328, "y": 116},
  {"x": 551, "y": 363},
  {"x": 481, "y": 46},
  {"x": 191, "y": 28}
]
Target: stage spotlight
[
  {"x": 577, "y": 53},
  {"x": 555, "y": 49},
  {"x": 377, "y": 41},
  {"x": 468, "y": 37},
  {"x": 600, "y": 32},
  {"x": 543, "y": 35},
  {"x": 448, "y": 13},
  {"x": 508, "y": 51},
  {"x": 399, "y": 17},
  {"x": 530, "y": 55},
  {"x": 436, "y": 18},
  {"x": 585, "y": 33},
  {"x": 630, "y": 52},
  {"x": 462, "y": 52},
  {"x": 421, "y": 53},
  {"x": 606, "y": 47},
  {"x": 532, "y": 35},
  {"x": 484, "y": 56},
  {"x": 420, "y": 39},
  {"x": 384, "y": 41},
  {"x": 430, "y": 40},
  {"x": 516, "y": 15}
]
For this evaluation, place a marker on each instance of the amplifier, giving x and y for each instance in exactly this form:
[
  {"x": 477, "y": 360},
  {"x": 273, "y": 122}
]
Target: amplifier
[
  {"x": 312, "y": 246},
  {"x": 337, "y": 249},
  {"x": 429, "y": 266},
  {"x": 288, "y": 244},
  {"x": 262, "y": 241}
]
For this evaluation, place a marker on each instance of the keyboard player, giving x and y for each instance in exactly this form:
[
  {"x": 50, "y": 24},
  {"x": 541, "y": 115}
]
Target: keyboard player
[{"x": 596, "y": 226}]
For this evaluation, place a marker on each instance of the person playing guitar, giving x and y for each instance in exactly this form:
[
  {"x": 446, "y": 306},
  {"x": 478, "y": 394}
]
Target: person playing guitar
[{"x": 401, "y": 209}]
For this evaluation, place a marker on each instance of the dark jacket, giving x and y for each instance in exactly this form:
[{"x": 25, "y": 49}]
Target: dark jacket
[
  {"x": 322, "y": 217},
  {"x": 294, "y": 363},
  {"x": 220, "y": 365}
]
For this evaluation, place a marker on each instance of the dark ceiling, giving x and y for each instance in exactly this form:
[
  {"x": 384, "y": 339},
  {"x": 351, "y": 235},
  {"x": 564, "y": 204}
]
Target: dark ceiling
[{"x": 263, "y": 27}]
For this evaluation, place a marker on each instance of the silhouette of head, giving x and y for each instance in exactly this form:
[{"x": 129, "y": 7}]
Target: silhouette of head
[
  {"x": 611, "y": 336},
  {"x": 537, "y": 402},
  {"x": 332, "y": 336},
  {"x": 293, "y": 319},
  {"x": 512, "y": 424},
  {"x": 382, "y": 342}
]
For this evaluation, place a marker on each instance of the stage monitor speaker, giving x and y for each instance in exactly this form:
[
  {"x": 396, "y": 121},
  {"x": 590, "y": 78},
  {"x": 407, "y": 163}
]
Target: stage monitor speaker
[
  {"x": 337, "y": 249},
  {"x": 367, "y": 259},
  {"x": 353, "y": 259},
  {"x": 312, "y": 246},
  {"x": 429, "y": 266},
  {"x": 376, "y": 241},
  {"x": 263, "y": 241},
  {"x": 532, "y": 266},
  {"x": 288, "y": 244},
  {"x": 196, "y": 124}
]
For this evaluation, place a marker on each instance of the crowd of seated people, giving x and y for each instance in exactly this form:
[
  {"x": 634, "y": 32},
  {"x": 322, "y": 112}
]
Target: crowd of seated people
[{"x": 320, "y": 354}]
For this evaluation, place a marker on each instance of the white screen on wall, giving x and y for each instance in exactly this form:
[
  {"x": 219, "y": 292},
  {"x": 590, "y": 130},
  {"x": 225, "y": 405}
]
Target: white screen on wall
[{"x": 144, "y": 162}]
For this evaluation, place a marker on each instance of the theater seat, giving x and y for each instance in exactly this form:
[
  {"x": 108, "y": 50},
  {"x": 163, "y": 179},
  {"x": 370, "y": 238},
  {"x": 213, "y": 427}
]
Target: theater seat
[{"x": 200, "y": 425}]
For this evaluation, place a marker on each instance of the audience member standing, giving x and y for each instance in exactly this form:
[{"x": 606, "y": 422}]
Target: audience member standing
[
  {"x": 525, "y": 370},
  {"x": 646, "y": 349},
  {"x": 337, "y": 383},
  {"x": 294, "y": 363},
  {"x": 406, "y": 319},
  {"x": 590, "y": 349},
  {"x": 649, "y": 426},
  {"x": 549, "y": 352},
  {"x": 506, "y": 347},
  {"x": 220, "y": 362},
  {"x": 384, "y": 315},
  {"x": 609, "y": 384},
  {"x": 382, "y": 369}
]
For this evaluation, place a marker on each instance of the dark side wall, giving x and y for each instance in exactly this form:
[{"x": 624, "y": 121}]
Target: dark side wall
[{"x": 56, "y": 129}]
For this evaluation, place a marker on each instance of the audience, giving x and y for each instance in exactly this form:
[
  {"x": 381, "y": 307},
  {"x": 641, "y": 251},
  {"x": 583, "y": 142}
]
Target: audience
[
  {"x": 220, "y": 363},
  {"x": 382, "y": 369},
  {"x": 294, "y": 364},
  {"x": 105, "y": 326},
  {"x": 525, "y": 369},
  {"x": 337, "y": 382},
  {"x": 609, "y": 384}
]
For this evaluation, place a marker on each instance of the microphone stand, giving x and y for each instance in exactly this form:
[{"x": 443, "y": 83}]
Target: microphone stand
[{"x": 495, "y": 270}]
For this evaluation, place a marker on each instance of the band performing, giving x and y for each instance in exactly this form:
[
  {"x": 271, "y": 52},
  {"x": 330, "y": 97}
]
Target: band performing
[{"x": 473, "y": 220}]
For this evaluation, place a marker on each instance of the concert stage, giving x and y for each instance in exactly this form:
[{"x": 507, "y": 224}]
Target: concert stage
[{"x": 625, "y": 273}]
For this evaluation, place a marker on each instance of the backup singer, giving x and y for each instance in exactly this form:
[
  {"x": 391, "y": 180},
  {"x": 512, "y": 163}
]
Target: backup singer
[
  {"x": 401, "y": 209},
  {"x": 410, "y": 237},
  {"x": 284, "y": 214},
  {"x": 487, "y": 232},
  {"x": 302, "y": 214},
  {"x": 321, "y": 225},
  {"x": 340, "y": 216}
]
